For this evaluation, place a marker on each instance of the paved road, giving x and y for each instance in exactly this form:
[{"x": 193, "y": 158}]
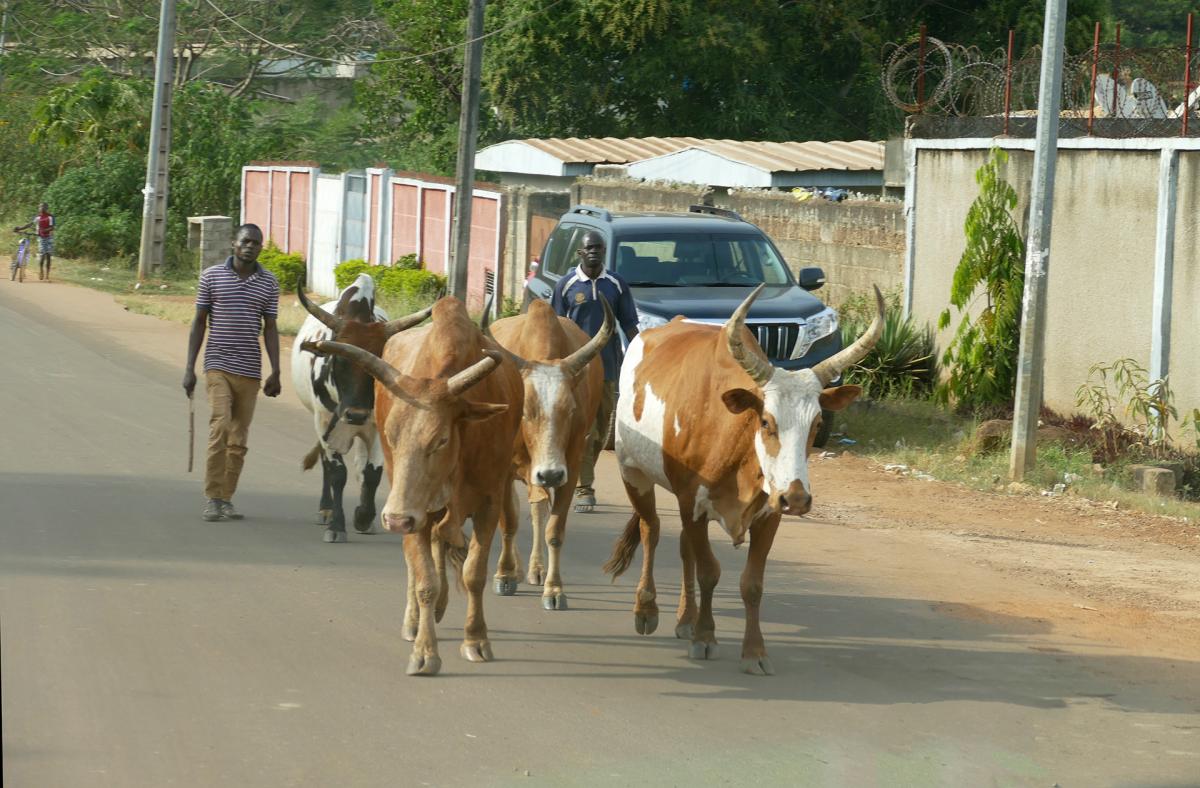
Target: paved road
[{"x": 143, "y": 647}]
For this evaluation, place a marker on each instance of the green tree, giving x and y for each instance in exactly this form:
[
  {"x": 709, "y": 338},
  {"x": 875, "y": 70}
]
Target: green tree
[{"x": 981, "y": 359}]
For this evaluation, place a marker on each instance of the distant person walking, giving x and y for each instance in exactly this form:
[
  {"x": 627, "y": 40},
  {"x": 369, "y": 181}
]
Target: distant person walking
[
  {"x": 235, "y": 303},
  {"x": 576, "y": 296},
  {"x": 43, "y": 225}
]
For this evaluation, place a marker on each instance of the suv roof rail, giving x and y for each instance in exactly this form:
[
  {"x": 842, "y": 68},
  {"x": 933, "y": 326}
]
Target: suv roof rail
[
  {"x": 590, "y": 210},
  {"x": 715, "y": 211}
]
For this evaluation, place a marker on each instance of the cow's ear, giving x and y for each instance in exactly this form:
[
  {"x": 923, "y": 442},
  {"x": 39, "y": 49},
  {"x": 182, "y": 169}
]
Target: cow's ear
[
  {"x": 482, "y": 411},
  {"x": 839, "y": 398},
  {"x": 739, "y": 400}
]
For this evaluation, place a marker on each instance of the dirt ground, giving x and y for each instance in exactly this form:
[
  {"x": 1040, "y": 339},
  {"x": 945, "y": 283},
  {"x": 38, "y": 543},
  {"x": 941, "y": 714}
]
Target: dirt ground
[
  {"x": 1074, "y": 567},
  {"x": 1119, "y": 577}
]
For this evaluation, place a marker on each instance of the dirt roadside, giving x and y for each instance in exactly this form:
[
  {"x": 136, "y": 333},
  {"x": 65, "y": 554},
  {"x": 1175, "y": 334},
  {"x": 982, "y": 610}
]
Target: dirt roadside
[{"x": 1078, "y": 568}]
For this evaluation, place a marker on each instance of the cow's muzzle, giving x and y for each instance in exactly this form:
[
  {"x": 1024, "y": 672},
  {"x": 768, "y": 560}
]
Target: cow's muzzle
[
  {"x": 550, "y": 477},
  {"x": 399, "y": 524},
  {"x": 796, "y": 501},
  {"x": 356, "y": 416}
]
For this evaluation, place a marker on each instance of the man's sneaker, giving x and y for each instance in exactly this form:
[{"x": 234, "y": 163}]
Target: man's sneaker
[
  {"x": 228, "y": 512},
  {"x": 212, "y": 511},
  {"x": 585, "y": 499}
]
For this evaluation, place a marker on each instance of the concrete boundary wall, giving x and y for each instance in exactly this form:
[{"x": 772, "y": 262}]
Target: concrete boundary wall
[
  {"x": 1124, "y": 266},
  {"x": 858, "y": 244}
]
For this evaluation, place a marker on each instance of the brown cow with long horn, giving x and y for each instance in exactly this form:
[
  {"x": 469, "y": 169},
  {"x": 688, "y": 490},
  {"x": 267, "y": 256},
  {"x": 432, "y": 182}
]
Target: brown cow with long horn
[
  {"x": 563, "y": 378},
  {"x": 448, "y": 407},
  {"x": 703, "y": 414}
]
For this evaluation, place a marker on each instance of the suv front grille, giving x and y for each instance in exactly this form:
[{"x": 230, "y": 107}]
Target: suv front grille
[{"x": 776, "y": 339}]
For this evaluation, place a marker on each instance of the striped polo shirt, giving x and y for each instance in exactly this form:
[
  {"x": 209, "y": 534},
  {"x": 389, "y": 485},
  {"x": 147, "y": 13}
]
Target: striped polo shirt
[{"x": 236, "y": 308}]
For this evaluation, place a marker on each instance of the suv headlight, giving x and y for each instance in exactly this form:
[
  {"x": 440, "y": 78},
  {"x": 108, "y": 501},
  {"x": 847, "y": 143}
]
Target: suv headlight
[
  {"x": 816, "y": 327},
  {"x": 647, "y": 320}
]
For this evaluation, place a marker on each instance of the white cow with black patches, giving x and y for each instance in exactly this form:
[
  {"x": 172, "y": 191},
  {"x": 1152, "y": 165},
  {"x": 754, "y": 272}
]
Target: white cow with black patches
[{"x": 341, "y": 397}]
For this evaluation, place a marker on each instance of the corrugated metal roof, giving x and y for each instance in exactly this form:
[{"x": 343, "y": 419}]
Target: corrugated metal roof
[
  {"x": 768, "y": 156},
  {"x": 610, "y": 150}
]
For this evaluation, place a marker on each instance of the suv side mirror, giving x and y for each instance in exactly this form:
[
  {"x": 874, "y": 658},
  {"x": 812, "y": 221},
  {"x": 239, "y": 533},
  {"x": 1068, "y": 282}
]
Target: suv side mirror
[{"x": 812, "y": 278}]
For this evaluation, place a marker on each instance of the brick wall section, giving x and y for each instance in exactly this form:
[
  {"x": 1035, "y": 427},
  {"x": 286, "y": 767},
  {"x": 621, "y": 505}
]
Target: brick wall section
[{"x": 859, "y": 244}]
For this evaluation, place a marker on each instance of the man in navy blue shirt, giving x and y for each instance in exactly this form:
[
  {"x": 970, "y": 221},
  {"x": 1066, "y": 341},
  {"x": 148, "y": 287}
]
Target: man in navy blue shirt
[{"x": 577, "y": 296}]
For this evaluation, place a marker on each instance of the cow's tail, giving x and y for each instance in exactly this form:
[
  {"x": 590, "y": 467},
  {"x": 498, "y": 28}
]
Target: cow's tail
[
  {"x": 310, "y": 459},
  {"x": 457, "y": 557},
  {"x": 625, "y": 548}
]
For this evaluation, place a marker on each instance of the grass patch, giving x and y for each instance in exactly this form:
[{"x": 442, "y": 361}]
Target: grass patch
[{"x": 931, "y": 441}]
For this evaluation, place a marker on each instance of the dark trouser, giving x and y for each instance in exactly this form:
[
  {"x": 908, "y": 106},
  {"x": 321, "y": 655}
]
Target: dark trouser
[{"x": 598, "y": 437}]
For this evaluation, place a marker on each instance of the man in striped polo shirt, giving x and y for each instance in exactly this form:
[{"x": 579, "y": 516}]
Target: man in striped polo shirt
[{"x": 235, "y": 302}]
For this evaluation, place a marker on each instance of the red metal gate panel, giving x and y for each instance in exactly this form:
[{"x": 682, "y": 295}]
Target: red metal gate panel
[
  {"x": 299, "y": 184},
  {"x": 373, "y": 230},
  {"x": 404, "y": 220},
  {"x": 434, "y": 226},
  {"x": 278, "y": 229},
  {"x": 484, "y": 257},
  {"x": 256, "y": 206}
]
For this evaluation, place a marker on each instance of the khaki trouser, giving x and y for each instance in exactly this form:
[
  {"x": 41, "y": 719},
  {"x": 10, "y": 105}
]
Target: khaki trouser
[
  {"x": 232, "y": 398},
  {"x": 598, "y": 437}
]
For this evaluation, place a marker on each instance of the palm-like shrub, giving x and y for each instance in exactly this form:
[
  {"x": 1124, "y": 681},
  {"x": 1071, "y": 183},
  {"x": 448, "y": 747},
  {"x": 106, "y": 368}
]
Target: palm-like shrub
[{"x": 904, "y": 361}]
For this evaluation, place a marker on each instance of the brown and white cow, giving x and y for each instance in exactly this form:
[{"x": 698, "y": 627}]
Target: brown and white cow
[
  {"x": 448, "y": 407},
  {"x": 563, "y": 378},
  {"x": 704, "y": 414}
]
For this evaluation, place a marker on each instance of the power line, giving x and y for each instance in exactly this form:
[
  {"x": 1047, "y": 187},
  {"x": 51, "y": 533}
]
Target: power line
[{"x": 404, "y": 59}]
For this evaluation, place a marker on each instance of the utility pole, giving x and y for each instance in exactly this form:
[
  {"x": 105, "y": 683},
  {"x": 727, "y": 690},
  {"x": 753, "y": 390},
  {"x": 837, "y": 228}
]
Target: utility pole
[
  {"x": 154, "y": 209},
  {"x": 1031, "y": 357},
  {"x": 468, "y": 121}
]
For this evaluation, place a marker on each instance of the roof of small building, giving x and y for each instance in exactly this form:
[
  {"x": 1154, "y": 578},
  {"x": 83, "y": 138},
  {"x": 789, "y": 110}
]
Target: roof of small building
[{"x": 574, "y": 156}]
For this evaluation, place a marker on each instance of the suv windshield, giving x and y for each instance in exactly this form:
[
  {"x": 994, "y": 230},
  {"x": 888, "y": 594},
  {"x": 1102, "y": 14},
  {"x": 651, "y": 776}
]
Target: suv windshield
[{"x": 663, "y": 260}]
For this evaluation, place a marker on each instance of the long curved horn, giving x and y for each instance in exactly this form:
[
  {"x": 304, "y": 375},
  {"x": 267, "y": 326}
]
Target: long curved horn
[
  {"x": 829, "y": 369},
  {"x": 379, "y": 369},
  {"x": 577, "y": 361},
  {"x": 333, "y": 322},
  {"x": 485, "y": 319},
  {"x": 757, "y": 367},
  {"x": 474, "y": 373},
  {"x": 485, "y": 325},
  {"x": 393, "y": 327}
]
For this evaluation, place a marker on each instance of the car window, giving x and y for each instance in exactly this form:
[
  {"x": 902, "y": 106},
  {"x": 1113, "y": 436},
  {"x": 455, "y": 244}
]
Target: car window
[
  {"x": 679, "y": 259},
  {"x": 559, "y": 255},
  {"x": 745, "y": 258}
]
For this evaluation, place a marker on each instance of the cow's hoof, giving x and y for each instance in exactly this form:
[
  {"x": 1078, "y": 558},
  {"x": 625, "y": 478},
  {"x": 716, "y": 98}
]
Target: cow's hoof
[
  {"x": 683, "y": 630},
  {"x": 409, "y": 631},
  {"x": 758, "y": 666},
  {"x": 325, "y": 517},
  {"x": 334, "y": 537},
  {"x": 364, "y": 520},
  {"x": 424, "y": 666},
  {"x": 554, "y": 601},
  {"x": 506, "y": 586},
  {"x": 701, "y": 650},
  {"x": 477, "y": 651},
  {"x": 536, "y": 576},
  {"x": 645, "y": 623}
]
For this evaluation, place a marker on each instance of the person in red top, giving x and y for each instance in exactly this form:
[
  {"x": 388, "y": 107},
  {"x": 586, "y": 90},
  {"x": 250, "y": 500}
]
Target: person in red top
[{"x": 44, "y": 227}]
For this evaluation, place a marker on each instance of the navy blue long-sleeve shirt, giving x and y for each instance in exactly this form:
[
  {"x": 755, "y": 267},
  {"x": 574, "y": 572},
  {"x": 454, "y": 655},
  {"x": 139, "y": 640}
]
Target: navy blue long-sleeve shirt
[{"x": 576, "y": 297}]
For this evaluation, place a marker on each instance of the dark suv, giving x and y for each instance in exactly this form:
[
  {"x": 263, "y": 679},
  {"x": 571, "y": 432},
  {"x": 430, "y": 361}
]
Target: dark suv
[{"x": 701, "y": 264}]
